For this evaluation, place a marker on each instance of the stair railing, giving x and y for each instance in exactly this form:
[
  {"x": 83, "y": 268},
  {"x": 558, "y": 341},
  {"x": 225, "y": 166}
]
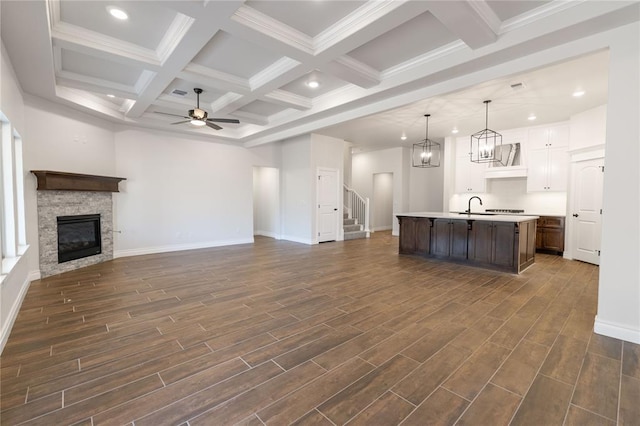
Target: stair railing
[{"x": 357, "y": 207}]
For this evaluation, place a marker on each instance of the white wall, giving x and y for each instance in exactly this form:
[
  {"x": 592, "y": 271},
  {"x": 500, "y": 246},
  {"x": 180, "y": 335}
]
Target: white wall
[
  {"x": 588, "y": 129},
  {"x": 180, "y": 194},
  {"x": 13, "y": 286},
  {"x": 297, "y": 190},
  {"x": 382, "y": 202},
  {"x": 619, "y": 284},
  {"x": 266, "y": 201},
  {"x": 393, "y": 160}
]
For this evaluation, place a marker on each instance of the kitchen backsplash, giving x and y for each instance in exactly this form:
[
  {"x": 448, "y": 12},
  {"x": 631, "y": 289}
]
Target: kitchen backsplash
[{"x": 511, "y": 193}]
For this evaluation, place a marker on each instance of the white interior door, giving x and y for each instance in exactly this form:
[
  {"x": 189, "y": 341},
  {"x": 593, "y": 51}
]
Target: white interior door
[
  {"x": 327, "y": 195},
  {"x": 586, "y": 214}
]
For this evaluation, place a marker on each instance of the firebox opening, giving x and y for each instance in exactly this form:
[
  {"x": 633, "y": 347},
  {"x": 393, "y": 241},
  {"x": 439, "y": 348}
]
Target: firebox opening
[{"x": 78, "y": 237}]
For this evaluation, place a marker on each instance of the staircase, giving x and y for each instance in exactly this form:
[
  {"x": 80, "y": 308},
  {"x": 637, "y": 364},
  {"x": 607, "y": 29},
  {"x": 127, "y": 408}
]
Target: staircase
[
  {"x": 355, "y": 223},
  {"x": 352, "y": 229}
]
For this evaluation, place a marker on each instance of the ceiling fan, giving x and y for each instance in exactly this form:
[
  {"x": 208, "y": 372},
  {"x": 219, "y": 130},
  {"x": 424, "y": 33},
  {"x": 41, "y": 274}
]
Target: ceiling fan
[{"x": 198, "y": 117}]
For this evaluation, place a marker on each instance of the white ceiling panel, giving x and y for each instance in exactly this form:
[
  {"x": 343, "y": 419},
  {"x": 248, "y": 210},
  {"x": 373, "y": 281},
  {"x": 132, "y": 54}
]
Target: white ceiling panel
[
  {"x": 262, "y": 108},
  {"x": 103, "y": 69},
  {"x": 208, "y": 94},
  {"x": 416, "y": 37},
  {"x": 308, "y": 17},
  {"x": 327, "y": 84},
  {"x": 234, "y": 56},
  {"x": 509, "y": 9},
  {"x": 147, "y": 23}
]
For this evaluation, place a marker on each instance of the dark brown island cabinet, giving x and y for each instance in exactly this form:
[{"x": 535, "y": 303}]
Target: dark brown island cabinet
[{"x": 506, "y": 243}]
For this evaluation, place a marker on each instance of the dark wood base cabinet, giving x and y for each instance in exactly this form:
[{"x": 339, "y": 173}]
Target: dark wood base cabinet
[
  {"x": 550, "y": 235},
  {"x": 506, "y": 246}
]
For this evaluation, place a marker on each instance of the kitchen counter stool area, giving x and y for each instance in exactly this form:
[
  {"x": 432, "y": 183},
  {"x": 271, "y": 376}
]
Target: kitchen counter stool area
[{"x": 501, "y": 242}]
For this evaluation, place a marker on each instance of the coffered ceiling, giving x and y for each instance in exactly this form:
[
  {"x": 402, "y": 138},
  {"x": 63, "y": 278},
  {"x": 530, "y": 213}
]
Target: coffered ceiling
[{"x": 380, "y": 65}]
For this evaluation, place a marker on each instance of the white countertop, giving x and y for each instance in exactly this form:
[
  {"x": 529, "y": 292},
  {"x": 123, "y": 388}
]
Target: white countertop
[{"x": 486, "y": 217}]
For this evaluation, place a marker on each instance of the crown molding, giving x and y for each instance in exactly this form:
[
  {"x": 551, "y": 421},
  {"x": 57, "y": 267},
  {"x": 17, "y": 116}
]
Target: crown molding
[
  {"x": 424, "y": 59},
  {"x": 487, "y": 14},
  {"x": 73, "y": 35},
  {"x": 368, "y": 73},
  {"x": 288, "y": 99},
  {"x": 216, "y": 78},
  {"x": 258, "y": 21},
  {"x": 273, "y": 71},
  {"x": 173, "y": 36},
  {"x": 251, "y": 118},
  {"x": 544, "y": 11},
  {"x": 353, "y": 22}
]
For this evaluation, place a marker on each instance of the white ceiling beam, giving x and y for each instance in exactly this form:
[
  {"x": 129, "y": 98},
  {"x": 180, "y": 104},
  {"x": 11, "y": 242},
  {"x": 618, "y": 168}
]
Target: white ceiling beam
[
  {"x": 215, "y": 79},
  {"x": 353, "y": 71},
  {"x": 250, "y": 118},
  {"x": 194, "y": 39},
  {"x": 475, "y": 25},
  {"x": 288, "y": 99},
  {"x": 95, "y": 85}
]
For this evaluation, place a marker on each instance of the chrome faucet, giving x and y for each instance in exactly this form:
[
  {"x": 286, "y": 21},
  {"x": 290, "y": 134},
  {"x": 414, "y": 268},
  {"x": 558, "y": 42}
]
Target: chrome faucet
[{"x": 469, "y": 209}]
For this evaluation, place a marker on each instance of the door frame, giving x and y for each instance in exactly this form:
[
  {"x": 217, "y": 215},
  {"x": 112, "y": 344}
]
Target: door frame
[{"x": 339, "y": 204}]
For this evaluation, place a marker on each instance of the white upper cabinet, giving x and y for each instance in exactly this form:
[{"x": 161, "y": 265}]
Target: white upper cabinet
[
  {"x": 548, "y": 158},
  {"x": 469, "y": 177}
]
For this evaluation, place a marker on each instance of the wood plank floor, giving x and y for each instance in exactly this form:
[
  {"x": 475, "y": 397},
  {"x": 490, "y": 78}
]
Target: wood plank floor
[{"x": 347, "y": 332}]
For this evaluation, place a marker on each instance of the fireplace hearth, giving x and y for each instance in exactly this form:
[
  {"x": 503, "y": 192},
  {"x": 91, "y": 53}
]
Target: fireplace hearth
[{"x": 78, "y": 237}]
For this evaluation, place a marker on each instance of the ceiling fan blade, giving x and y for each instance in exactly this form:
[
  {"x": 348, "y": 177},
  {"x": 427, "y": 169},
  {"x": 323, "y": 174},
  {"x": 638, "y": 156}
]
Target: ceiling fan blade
[
  {"x": 214, "y": 126},
  {"x": 173, "y": 115},
  {"x": 224, "y": 120},
  {"x": 181, "y": 122}
]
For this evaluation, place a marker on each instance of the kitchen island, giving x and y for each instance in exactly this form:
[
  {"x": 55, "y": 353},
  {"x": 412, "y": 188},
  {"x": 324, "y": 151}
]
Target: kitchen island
[{"x": 502, "y": 242}]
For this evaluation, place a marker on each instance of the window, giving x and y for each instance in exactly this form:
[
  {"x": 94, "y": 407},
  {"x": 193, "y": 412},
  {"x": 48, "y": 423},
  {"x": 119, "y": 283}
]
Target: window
[{"x": 13, "y": 241}]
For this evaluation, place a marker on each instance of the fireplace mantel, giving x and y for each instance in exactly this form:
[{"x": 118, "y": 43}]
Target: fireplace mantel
[{"x": 63, "y": 181}]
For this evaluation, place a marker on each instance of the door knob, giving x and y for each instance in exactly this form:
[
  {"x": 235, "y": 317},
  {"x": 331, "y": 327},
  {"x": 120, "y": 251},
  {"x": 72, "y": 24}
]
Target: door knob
[
  {"x": 575, "y": 215},
  {"x": 335, "y": 210}
]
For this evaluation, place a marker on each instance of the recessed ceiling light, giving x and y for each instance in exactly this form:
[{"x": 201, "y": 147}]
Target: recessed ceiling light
[
  {"x": 313, "y": 84},
  {"x": 403, "y": 137},
  {"x": 454, "y": 130},
  {"x": 531, "y": 117},
  {"x": 111, "y": 96},
  {"x": 578, "y": 93},
  {"x": 118, "y": 13}
]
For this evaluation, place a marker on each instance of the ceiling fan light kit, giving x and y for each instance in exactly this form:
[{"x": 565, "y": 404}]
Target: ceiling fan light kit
[
  {"x": 486, "y": 144},
  {"x": 426, "y": 153},
  {"x": 198, "y": 117}
]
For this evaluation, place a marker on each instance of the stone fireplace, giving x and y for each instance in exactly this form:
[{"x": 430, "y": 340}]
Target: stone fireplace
[{"x": 67, "y": 198}]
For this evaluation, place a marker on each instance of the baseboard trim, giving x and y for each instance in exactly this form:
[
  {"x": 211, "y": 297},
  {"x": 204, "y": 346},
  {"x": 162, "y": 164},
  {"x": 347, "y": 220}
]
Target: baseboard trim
[
  {"x": 616, "y": 330},
  {"x": 13, "y": 314},
  {"x": 297, "y": 239},
  {"x": 268, "y": 234},
  {"x": 34, "y": 275},
  {"x": 179, "y": 247}
]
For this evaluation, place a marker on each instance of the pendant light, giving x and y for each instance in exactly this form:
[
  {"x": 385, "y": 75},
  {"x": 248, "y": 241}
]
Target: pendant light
[
  {"x": 426, "y": 153},
  {"x": 486, "y": 144}
]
